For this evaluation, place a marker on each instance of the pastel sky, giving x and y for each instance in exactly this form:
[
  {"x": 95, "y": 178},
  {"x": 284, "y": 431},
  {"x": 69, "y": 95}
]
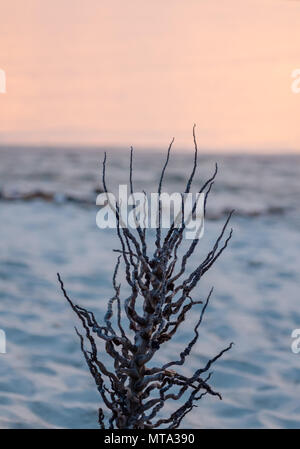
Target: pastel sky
[{"x": 137, "y": 72}]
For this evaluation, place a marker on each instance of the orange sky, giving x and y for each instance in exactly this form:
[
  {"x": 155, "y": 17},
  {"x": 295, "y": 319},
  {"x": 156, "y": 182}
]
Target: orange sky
[{"x": 138, "y": 72}]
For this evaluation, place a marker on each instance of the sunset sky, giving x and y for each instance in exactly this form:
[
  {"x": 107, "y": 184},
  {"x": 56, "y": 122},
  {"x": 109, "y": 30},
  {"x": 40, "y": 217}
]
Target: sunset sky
[{"x": 137, "y": 72}]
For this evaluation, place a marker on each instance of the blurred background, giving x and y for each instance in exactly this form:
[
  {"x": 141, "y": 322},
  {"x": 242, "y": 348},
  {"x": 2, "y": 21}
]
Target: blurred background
[{"x": 84, "y": 77}]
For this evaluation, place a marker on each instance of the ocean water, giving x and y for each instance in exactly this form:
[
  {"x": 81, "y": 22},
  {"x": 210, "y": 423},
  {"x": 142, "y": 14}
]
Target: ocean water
[{"x": 47, "y": 219}]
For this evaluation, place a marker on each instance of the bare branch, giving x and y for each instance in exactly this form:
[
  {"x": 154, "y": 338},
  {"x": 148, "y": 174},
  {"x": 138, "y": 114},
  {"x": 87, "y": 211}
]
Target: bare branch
[{"x": 134, "y": 392}]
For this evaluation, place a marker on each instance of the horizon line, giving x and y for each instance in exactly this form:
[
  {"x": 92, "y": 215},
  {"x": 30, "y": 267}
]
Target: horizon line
[{"x": 157, "y": 148}]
